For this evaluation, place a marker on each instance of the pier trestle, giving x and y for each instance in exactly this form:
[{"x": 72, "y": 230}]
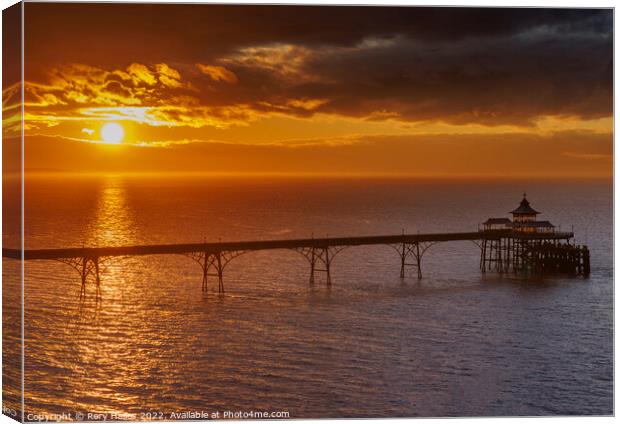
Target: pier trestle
[
  {"x": 535, "y": 256},
  {"x": 88, "y": 267},
  {"x": 496, "y": 254},
  {"x": 213, "y": 264},
  {"x": 320, "y": 259},
  {"x": 414, "y": 251}
]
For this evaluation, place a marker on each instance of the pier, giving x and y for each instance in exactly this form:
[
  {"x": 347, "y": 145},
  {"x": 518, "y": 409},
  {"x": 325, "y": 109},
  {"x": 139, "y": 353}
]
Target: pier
[
  {"x": 501, "y": 251},
  {"x": 522, "y": 245}
]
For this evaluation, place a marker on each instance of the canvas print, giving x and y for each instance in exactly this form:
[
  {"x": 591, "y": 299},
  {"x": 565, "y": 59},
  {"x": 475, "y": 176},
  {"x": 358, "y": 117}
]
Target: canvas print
[{"x": 226, "y": 211}]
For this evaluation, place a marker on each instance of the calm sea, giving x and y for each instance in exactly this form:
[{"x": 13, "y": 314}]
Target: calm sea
[{"x": 452, "y": 344}]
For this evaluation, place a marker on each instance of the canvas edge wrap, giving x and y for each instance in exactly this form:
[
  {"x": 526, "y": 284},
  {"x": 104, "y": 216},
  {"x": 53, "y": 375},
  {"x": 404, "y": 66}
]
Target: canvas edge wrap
[{"x": 12, "y": 211}]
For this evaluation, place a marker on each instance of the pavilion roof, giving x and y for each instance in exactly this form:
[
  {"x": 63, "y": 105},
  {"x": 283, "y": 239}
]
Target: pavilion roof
[{"x": 525, "y": 208}]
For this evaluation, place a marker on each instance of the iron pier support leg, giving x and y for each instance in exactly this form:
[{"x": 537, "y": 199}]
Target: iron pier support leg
[
  {"x": 84, "y": 275},
  {"x": 418, "y": 260},
  {"x": 498, "y": 256},
  {"x": 327, "y": 261},
  {"x": 220, "y": 273},
  {"x": 205, "y": 272},
  {"x": 403, "y": 256},
  {"x": 492, "y": 255},
  {"x": 586, "y": 261},
  {"x": 312, "y": 265},
  {"x": 484, "y": 256},
  {"x": 97, "y": 278},
  {"x": 482, "y": 249},
  {"x": 508, "y": 253}
]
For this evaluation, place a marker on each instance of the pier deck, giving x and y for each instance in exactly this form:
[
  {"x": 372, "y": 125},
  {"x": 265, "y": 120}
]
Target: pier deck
[{"x": 228, "y": 246}]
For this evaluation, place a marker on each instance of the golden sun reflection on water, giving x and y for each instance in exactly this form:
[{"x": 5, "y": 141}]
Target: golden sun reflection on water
[
  {"x": 113, "y": 223},
  {"x": 111, "y": 362}
]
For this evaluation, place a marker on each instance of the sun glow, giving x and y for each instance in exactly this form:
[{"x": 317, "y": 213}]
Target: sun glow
[{"x": 112, "y": 133}]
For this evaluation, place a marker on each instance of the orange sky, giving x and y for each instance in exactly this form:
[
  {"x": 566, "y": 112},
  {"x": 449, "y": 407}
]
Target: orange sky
[{"x": 319, "y": 90}]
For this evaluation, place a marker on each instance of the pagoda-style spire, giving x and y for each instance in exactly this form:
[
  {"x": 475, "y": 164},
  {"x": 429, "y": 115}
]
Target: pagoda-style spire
[{"x": 525, "y": 208}]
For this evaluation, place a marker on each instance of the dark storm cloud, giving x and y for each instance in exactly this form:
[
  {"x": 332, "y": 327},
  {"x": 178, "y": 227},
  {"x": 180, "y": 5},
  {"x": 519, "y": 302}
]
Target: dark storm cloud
[
  {"x": 208, "y": 29},
  {"x": 495, "y": 80},
  {"x": 492, "y": 80},
  {"x": 459, "y": 65}
]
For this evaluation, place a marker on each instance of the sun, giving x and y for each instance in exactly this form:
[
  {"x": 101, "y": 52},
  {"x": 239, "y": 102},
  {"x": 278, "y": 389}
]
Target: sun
[{"x": 112, "y": 133}]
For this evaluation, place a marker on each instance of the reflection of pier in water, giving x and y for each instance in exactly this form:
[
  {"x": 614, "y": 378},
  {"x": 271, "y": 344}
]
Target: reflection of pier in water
[{"x": 501, "y": 250}]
